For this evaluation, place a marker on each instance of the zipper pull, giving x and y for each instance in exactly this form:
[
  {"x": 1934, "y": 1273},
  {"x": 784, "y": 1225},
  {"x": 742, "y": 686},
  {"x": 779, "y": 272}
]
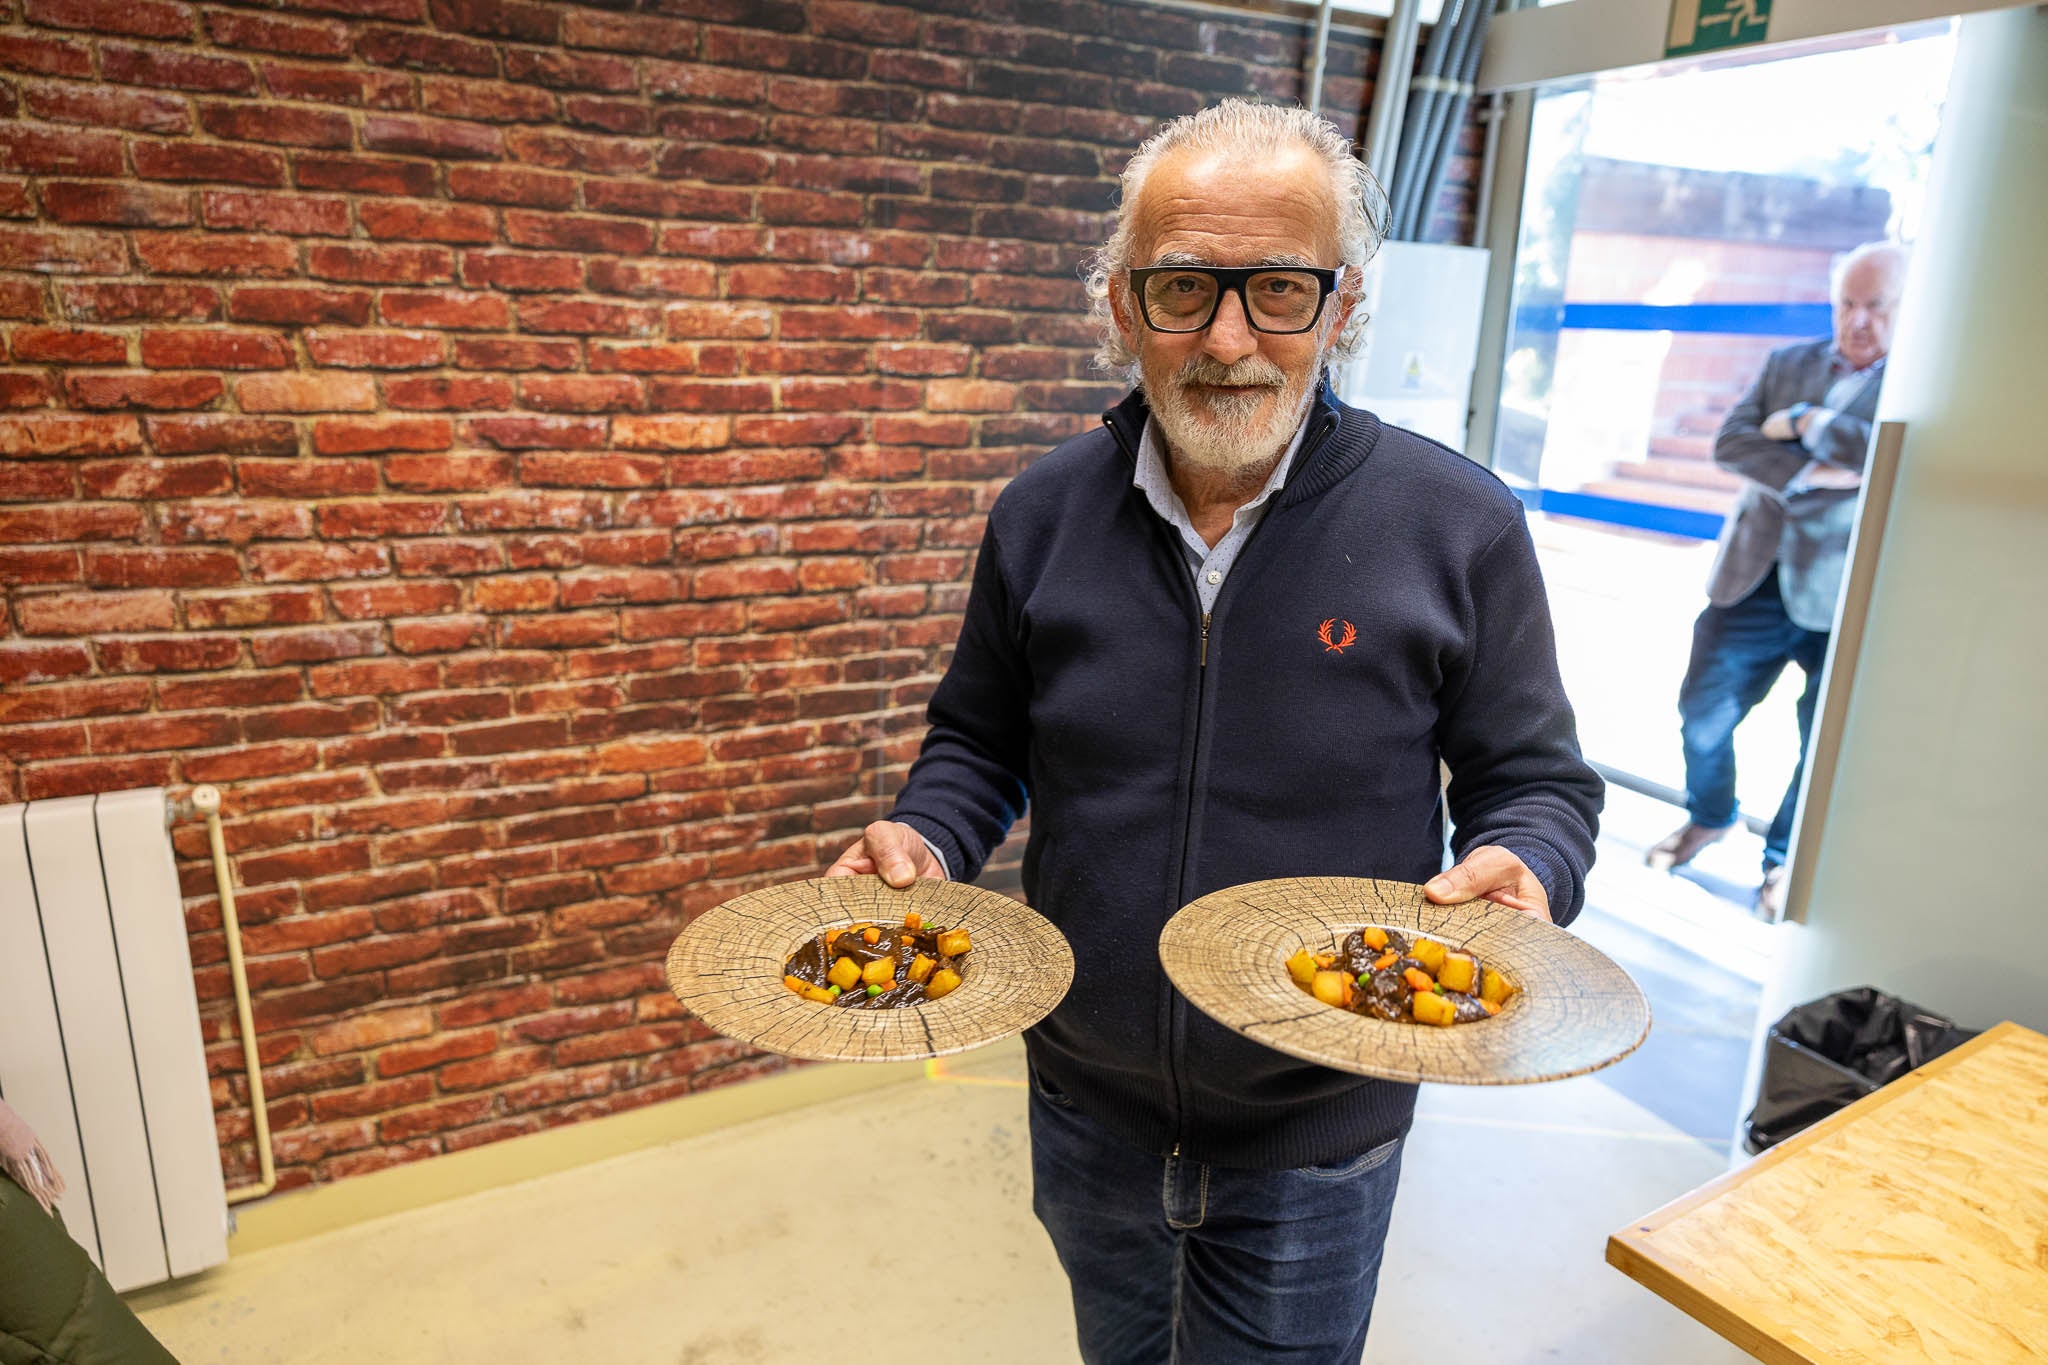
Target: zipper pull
[{"x": 1205, "y": 640}]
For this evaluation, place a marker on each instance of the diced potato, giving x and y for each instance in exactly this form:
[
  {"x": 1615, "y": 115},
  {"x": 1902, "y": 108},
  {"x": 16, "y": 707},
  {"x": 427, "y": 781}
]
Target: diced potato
[
  {"x": 819, "y": 994},
  {"x": 1418, "y": 981},
  {"x": 1494, "y": 988},
  {"x": 1491, "y": 1008},
  {"x": 1431, "y": 1008},
  {"x": 1460, "y": 972},
  {"x": 942, "y": 982},
  {"x": 1329, "y": 987},
  {"x": 921, "y": 967},
  {"x": 1324, "y": 961},
  {"x": 1302, "y": 967},
  {"x": 832, "y": 937},
  {"x": 1430, "y": 954},
  {"x": 845, "y": 973},
  {"x": 1375, "y": 937},
  {"x": 953, "y": 942},
  {"x": 880, "y": 972}
]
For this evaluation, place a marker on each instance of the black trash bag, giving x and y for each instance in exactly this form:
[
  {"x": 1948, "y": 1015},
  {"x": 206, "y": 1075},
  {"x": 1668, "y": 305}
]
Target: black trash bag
[{"x": 1831, "y": 1052}]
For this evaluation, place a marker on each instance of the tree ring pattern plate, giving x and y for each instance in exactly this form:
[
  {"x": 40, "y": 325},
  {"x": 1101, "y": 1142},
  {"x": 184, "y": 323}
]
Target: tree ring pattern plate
[
  {"x": 1574, "y": 1009},
  {"x": 726, "y": 967}
]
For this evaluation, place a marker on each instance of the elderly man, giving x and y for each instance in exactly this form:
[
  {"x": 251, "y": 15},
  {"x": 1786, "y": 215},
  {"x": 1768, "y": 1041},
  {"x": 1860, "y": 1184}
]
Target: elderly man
[
  {"x": 1229, "y": 637},
  {"x": 1798, "y": 439}
]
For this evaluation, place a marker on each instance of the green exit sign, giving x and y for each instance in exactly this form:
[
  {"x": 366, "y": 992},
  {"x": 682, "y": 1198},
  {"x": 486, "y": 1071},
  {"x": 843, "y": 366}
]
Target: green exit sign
[{"x": 1709, "y": 25}]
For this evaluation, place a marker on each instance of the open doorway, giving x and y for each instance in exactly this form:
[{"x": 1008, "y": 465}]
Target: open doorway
[{"x": 1677, "y": 226}]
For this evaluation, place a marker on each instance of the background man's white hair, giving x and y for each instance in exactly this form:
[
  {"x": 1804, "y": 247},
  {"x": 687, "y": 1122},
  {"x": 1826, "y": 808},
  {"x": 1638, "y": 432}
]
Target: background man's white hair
[
  {"x": 1253, "y": 131},
  {"x": 1891, "y": 253}
]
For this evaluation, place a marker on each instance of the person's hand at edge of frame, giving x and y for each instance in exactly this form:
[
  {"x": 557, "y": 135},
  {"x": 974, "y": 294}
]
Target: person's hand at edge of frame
[
  {"x": 891, "y": 849},
  {"x": 1491, "y": 873},
  {"x": 1830, "y": 476}
]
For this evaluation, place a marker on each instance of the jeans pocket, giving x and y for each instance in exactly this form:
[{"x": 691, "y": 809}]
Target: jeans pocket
[
  {"x": 1352, "y": 1166},
  {"x": 1047, "y": 1091}
]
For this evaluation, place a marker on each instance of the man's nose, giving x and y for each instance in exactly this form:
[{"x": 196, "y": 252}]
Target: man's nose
[{"x": 1230, "y": 337}]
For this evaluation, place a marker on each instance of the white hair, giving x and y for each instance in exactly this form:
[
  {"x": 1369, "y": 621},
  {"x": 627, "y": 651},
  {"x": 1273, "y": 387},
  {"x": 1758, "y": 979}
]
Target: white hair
[
  {"x": 1891, "y": 253},
  {"x": 1252, "y": 132}
]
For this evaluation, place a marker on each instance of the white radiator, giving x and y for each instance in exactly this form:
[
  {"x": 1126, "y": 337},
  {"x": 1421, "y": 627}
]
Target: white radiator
[{"x": 99, "y": 1032}]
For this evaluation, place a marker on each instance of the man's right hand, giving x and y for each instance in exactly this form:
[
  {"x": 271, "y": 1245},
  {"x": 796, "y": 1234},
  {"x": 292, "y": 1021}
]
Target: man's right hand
[
  {"x": 1820, "y": 475},
  {"x": 890, "y": 848}
]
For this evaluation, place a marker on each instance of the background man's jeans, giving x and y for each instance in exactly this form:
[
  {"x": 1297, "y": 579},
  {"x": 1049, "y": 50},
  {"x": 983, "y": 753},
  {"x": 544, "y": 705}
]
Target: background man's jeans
[
  {"x": 1177, "y": 1261},
  {"x": 1737, "y": 654}
]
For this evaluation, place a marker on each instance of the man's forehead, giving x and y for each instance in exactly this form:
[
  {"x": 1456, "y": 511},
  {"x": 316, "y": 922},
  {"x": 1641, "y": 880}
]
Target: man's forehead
[
  {"x": 1224, "y": 209},
  {"x": 1873, "y": 277}
]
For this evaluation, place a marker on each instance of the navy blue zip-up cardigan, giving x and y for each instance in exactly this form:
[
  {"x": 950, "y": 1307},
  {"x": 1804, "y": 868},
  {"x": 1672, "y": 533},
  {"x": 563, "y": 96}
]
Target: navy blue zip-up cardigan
[{"x": 1388, "y": 611}]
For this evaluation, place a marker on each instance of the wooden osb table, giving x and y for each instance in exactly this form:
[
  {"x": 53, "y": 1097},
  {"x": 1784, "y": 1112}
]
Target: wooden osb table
[{"x": 1910, "y": 1227}]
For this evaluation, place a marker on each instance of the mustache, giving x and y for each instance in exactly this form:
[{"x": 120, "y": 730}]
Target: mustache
[{"x": 1252, "y": 371}]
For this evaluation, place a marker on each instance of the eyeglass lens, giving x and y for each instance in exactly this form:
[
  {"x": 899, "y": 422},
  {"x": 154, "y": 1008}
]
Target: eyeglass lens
[{"x": 1277, "y": 300}]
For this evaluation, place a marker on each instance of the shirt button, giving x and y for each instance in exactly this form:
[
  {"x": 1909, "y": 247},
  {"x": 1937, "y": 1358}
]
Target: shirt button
[{"x": 1215, "y": 576}]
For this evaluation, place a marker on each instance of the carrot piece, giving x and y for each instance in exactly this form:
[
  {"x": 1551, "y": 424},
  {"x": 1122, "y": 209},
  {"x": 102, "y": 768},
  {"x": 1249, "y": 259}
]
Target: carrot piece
[
  {"x": 1418, "y": 979},
  {"x": 870, "y": 935},
  {"x": 913, "y": 920},
  {"x": 1386, "y": 960},
  {"x": 795, "y": 983}
]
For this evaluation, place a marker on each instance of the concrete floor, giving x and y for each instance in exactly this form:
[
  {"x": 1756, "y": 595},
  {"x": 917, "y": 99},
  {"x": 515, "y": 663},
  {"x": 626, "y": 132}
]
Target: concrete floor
[{"x": 731, "y": 1247}]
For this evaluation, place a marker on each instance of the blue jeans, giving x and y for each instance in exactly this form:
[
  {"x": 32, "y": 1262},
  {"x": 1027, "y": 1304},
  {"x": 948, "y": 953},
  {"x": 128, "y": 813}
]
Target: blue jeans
[
  {"x": 1737, "y": 654},
  {"x": 1177, "y": 1261}
]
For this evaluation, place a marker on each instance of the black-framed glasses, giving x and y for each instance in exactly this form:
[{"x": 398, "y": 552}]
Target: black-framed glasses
[{"x": 1275, "y": 299}]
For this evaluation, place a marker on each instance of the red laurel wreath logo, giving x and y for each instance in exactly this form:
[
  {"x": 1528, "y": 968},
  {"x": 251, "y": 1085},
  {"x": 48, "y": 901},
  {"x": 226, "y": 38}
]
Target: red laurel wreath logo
[{"x": 1326, "y": 633}]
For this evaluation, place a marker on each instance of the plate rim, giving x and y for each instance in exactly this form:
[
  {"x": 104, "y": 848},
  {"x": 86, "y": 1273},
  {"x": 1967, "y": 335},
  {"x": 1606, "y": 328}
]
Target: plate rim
[
  {"x": 807, "y": 1031},
  {"x": 1177, "y": 938}
]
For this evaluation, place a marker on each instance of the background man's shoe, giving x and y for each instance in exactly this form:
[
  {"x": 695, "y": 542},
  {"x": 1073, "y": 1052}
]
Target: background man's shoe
[
  {"x": 1770, "y": 896},
  {"x": 1682, "y": 845}
]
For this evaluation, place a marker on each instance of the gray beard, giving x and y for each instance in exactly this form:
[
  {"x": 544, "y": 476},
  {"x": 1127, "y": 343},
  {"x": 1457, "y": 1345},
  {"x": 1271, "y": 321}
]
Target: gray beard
[{"x": 1228, "y": 440}]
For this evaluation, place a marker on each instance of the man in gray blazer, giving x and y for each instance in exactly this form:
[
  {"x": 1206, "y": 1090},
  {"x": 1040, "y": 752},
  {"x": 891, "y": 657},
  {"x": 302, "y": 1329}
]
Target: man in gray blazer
[{"x": 1798, "y": 439}]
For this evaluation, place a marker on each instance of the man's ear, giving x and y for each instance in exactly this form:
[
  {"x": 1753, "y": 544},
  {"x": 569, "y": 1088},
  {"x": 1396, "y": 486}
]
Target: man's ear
[
  {"x": 1350, "y": 293},
  {"x": 1123, "y": 309}
]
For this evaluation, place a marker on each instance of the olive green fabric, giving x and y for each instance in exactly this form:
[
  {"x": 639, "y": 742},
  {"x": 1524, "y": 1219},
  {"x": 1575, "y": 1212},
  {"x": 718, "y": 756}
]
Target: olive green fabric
[{"x": 55, "y": 1306}]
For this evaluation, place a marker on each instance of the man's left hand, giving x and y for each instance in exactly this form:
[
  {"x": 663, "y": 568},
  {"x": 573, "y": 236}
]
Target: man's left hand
[{"x": 1491, "y": 873}]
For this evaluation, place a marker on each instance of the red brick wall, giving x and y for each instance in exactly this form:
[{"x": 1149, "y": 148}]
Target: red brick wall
[{"x": 530, "y": 456}]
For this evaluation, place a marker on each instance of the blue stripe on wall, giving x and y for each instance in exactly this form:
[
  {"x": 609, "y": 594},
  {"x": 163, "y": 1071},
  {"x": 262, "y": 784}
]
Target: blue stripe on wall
[
  {"x": 1642, "y": 516},
  {"x": 1728, "y": 319}
]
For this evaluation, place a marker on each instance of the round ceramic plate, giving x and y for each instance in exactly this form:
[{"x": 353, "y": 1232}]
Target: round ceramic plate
[
  {"x": 1574, "y": 1011},
  {"x": 726, "y": 967}
]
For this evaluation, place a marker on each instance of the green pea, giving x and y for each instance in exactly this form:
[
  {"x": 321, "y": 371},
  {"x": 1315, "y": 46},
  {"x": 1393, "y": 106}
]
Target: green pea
[
  {"x": 833, "y": 991},
  {"x": 1438, "y": 988},
  {"x": 874, "y": 991},
  {"x": 1364, "y": 979}
]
